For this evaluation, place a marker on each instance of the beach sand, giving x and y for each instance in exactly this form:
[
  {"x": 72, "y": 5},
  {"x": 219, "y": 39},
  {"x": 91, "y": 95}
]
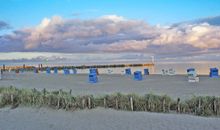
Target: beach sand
[
  {"x": 100, "y": 119},
  {"x": 107, "y": 119},
  {"x": 174, "y": 86}
]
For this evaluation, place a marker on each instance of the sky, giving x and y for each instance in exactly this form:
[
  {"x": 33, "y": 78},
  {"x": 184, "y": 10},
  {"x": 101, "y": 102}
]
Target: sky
[
  {"x": 167, "y": 29},
  {"x": 23, "y": 13}
]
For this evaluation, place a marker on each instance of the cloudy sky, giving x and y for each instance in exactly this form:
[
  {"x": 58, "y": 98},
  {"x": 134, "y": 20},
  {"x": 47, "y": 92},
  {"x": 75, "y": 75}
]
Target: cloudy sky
[{"x": 171, "y": 30}]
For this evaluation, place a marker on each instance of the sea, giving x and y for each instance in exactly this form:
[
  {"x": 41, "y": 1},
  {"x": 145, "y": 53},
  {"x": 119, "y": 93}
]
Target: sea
[{"x": 202, "y": 67}]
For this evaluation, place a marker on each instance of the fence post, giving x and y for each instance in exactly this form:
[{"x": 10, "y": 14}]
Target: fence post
[
  {"x": 50, "y": 100},
  {"x": 145, "y": 106},
  {"x": 89, "y": 103},
  {"x": 131, "y": 103},
  {"x": 164, "y": 103},
  {"x": 149, "y": 105},
  {"x": 169, "y": 107},
  {"x": 105, "y": 105},
  {"x": 70, "y": 91},
  {"x": 83, "y": 103},
  {"x": 178, "y": 105},
  {"x": 33, "y": 99},
  {"x": 116, "y": 103},
  {"x": 199, "y": 105},
  {"x": 215, "y": 106},
  {"x": 58, "y": 103},
  {"x": 12, "y": 99},
  {"x": 44, "y": 91}
]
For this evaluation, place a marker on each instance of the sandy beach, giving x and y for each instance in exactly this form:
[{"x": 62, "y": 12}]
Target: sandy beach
[
  {"x": 109, "y": 65},
  {"x": 174, "y": 86},
  {"x": 100, "y": 119},
  {"x": 108, "y": 119}
]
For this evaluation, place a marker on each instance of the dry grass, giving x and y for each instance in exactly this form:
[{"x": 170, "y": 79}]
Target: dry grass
[{"x": 202, "y": 106}]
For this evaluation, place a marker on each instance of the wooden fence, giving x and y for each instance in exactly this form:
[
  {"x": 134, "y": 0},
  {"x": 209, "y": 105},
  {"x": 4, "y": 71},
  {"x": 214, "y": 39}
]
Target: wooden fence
[{"x": 203, "y": 106}]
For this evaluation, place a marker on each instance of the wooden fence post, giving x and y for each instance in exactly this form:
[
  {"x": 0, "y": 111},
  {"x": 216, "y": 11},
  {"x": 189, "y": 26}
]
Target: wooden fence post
[
  {"x": 12, "y": 99},
  {"x": 44, "y": 91},
  {"x": 70, "y": 91},
  {"x": 83, "y": 103},
  {"x": 169, "y": 107},
  {"x": 149, "y": 105},
  {"x": 164, "y": 103},
  {"x": 116, "y": 103},
  {"x": 89, "y": 103},
  {"x": 215, "y": 106},
  {"x": 199, "y": 105},
  {"x": 131, "y": 103},
  {"x": 105, "y": 105},
  {"x": 58, "y": 103},
  {"x": 33, "y": 99},
  {"x": 178, "y": 105},
  {"x": 145, "y": 106}
]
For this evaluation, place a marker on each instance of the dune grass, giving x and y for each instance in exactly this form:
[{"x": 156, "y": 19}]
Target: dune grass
[{"x": 197, "y": 105}]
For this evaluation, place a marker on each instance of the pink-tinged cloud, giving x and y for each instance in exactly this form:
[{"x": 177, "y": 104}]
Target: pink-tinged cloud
[{"x": 113, "y": 33}]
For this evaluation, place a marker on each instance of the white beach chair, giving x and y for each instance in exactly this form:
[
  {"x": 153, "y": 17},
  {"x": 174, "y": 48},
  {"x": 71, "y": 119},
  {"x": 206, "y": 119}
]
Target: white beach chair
[
  {"x": 168, "y": 72},
  {"x": 192, "y": 77},
  {"x": 171, "y": 72},
  {"x": 164, "y": 72}
]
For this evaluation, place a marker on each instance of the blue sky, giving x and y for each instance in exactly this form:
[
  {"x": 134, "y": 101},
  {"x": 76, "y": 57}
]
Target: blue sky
[
  {"x": 170, "y": 29},
  {"x": 23, "y": 13}
]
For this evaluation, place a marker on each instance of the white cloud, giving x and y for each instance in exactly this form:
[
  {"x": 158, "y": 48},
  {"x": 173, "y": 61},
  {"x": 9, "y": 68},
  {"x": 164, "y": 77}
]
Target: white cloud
[
  {"x": 113, "y": 33},
  {"x": 113, "y": 18}
]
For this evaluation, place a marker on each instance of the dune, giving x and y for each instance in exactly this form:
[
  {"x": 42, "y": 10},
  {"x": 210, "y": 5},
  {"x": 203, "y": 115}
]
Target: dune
[{"x": 100, "y": 119}]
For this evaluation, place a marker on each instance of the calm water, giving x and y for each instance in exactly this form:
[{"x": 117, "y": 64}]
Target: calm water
[{"x": 180, "y": 68}]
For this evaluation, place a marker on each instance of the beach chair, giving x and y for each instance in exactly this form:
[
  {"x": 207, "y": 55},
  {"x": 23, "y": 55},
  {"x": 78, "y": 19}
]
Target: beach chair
[
  {"x": 146, "y": 72},
  {"x": 93, "y": 71},
  {"x": 74, "y": 71},
  {"x": 138, "y": 75},
  {"x": 48, "y": 70},
  {"x": 109, "y": 71},
  {"x": 192, "y": 75},
  {"x": 66, "y": 71},
  {"x": 21, "y": 70},
  {"x": 193, "y": 79},
  {"x": 93, "y": 78},
  {"x": 213, "y": 73},
  {"x": 171, "y": 72},
  {"x": 128, "y": 71},
  {"x": 163, "y": 72},
  {"x": 36, "y": 70},
  {"x": 55, "y": 70}
]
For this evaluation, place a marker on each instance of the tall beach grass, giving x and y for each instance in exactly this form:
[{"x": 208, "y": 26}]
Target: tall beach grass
[{"x": 197, "y": 105}]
